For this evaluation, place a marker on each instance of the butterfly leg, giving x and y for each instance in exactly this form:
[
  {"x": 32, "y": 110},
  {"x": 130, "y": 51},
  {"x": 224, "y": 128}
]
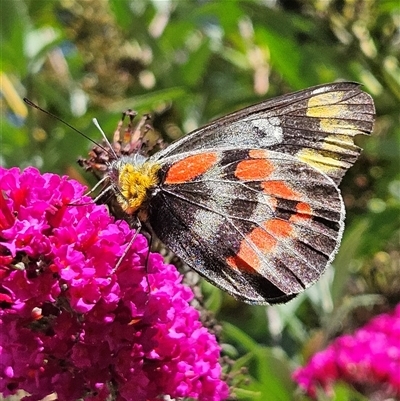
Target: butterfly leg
[{"x": 128, "y": 247}]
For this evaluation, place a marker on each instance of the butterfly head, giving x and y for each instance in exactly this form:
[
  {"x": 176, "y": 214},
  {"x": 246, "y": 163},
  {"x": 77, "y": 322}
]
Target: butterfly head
[{"x": 124, "y": 167}]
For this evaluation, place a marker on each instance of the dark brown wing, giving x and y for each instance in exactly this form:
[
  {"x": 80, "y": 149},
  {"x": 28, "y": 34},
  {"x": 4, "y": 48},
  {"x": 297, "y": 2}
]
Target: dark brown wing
[{"x": 259, "y": 224}]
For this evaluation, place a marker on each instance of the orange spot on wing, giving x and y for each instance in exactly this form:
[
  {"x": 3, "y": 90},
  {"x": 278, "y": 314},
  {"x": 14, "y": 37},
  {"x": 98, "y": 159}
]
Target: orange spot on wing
[
  {"x": 247, "y": 259},
  {"x": 265, "y": 239},
  {"x": 273, "y": 202},
  {"x": 279, "y": 189},
  {"x": 279, "y": 228},
  {"x": 256, "y": 170},
  {"x": 304, "y": 212},
  {"x": 303, "y": 208},
  {"x": 190, "y": 167},
  {"x": 258, "y": 154},
  {"x": 262, "y": 240}
]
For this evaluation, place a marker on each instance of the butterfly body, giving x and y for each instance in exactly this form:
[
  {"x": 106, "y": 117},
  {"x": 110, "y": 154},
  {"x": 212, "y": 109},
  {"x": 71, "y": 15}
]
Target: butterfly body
[
  {"x": 133, "y": 177},
  {"x": 251, "y": 201}
]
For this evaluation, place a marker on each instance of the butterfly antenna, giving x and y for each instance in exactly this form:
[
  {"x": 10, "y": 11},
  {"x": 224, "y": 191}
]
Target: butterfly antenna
[
  {"x": 97, "y": 125},
  {"x": 30, "y": 103}
]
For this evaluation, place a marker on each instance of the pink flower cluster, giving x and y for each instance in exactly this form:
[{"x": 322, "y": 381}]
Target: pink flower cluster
[
  {"x": 370, "y": 358},
  {"x": 69, "y": 324}
]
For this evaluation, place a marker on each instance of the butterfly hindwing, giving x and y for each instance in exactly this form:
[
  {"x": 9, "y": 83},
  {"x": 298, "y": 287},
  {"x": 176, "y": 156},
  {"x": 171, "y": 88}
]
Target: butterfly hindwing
[
  {"x": 316, "y": 125},
  {"x": 260, "y": 224}
]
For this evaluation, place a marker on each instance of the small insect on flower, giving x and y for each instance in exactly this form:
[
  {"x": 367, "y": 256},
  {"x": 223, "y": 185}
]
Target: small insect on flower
[{"x": 251, "y": 200}]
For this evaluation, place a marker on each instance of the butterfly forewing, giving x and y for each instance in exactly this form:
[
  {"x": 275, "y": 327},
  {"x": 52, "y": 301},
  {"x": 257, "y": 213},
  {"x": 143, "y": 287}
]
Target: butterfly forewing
[{"x": 316, "y": 125}]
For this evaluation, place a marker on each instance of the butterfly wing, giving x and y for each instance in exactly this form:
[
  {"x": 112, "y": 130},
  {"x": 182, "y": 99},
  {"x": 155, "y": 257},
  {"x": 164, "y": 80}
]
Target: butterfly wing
[
  {"x": 316, "y": 125},
  {"x": 262, "y": 225}
]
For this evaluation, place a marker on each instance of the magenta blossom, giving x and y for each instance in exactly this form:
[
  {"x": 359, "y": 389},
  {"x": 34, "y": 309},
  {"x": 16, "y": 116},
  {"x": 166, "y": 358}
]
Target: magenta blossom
[
  {"x": 70, "y": 324},
  {"x": 369, "y": 359}
]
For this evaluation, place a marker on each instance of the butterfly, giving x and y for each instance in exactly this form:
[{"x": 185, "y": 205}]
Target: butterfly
[{"x": 251, "y": 201}]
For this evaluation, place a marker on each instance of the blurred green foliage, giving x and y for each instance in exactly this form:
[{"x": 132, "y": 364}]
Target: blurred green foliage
[{"x": 188, "y": 62}]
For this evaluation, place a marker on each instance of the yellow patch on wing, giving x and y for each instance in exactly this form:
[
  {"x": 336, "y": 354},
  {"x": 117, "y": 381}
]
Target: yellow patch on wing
[
  {"x": 323, "y": 163},
  {"x": 334, "y": 117},
  {"x": 340, "y": 122},
  {"x": 325, "y": 105},
  {"x": 338, "y": 126},
  {"x": 335, "y": 143}
]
